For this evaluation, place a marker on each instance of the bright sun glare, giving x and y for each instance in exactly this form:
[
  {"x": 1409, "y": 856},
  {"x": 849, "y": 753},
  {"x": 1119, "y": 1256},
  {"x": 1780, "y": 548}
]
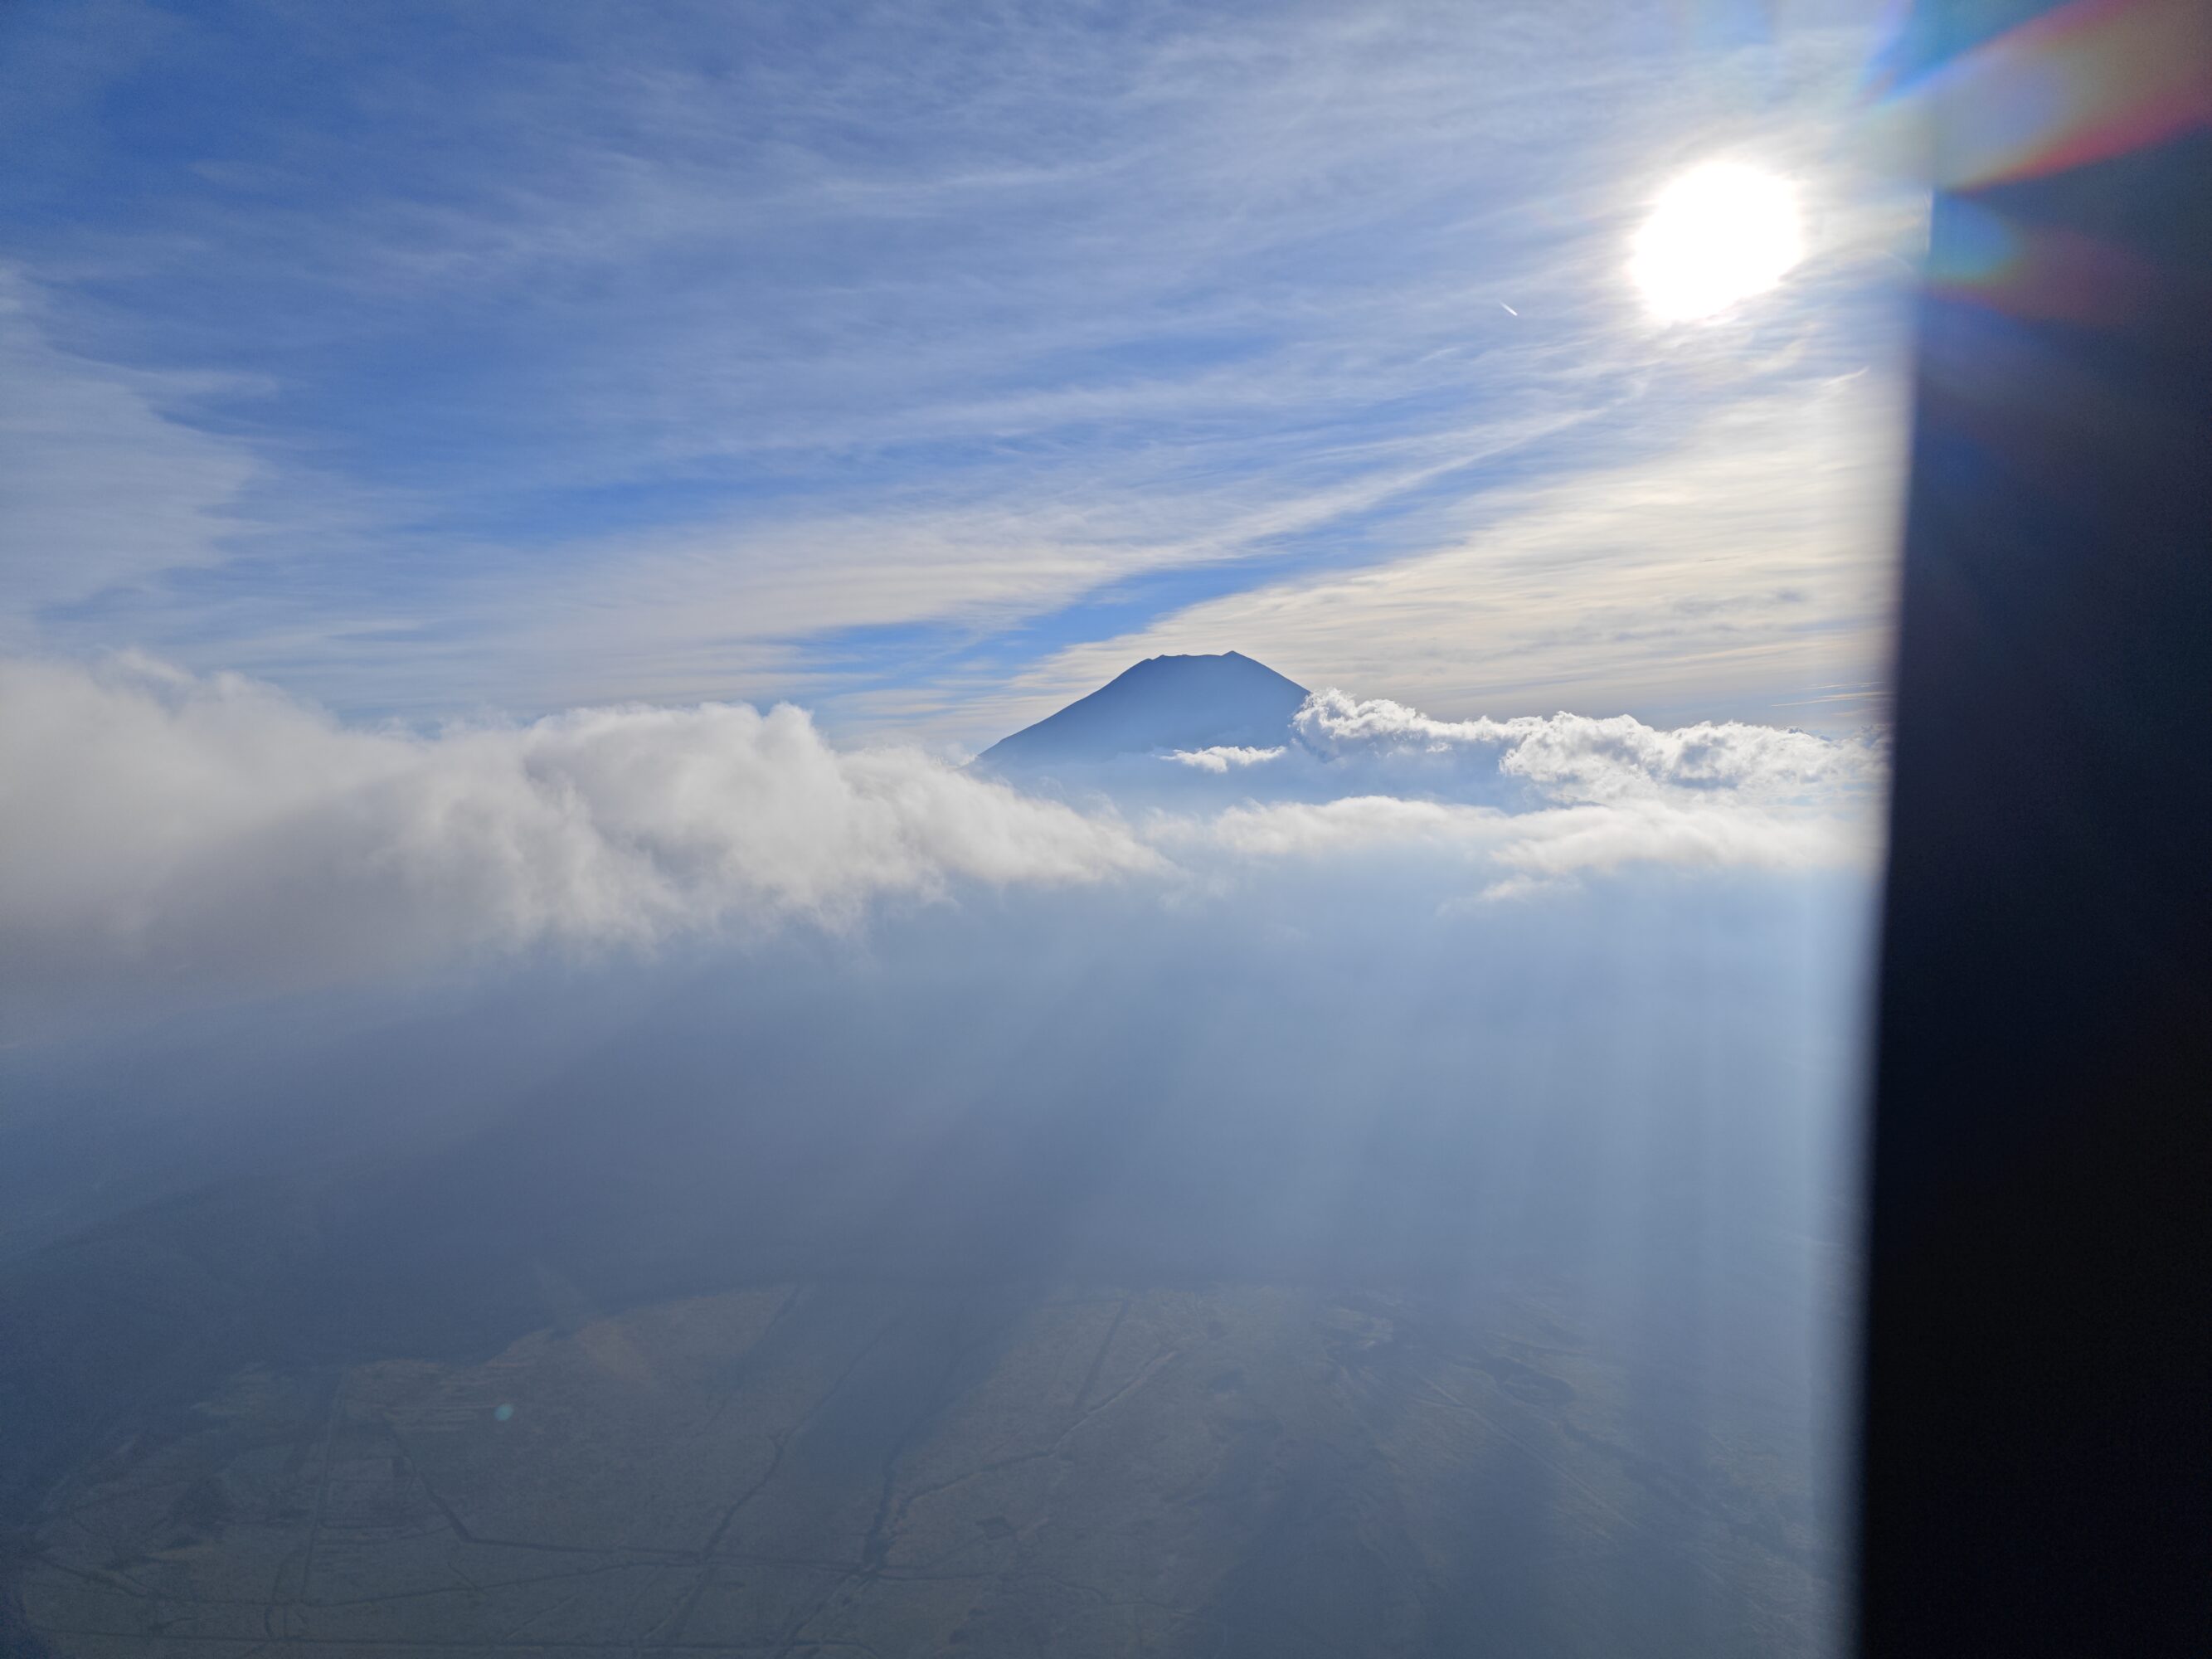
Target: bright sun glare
[{"x": 1718, "y": 234}]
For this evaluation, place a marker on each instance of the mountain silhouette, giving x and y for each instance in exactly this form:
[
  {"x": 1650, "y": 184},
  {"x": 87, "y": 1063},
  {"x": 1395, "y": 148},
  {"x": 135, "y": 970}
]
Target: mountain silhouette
[{"x": 1162, "y": 703}]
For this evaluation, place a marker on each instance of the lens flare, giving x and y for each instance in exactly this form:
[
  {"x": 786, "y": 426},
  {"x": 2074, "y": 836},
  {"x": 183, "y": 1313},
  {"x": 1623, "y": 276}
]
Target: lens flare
[{"x": 2081, "y": 84}]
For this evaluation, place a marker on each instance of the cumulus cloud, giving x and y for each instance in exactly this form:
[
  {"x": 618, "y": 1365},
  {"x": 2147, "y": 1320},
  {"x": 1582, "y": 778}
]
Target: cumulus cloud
[
  {"x": 1222, "y": 756},
  {"x": 166, "y": 825},
  {"x": 1577, "y": 757},
  {"x": 1536, "y": 800},
  {"x": 212, "y": 835}
]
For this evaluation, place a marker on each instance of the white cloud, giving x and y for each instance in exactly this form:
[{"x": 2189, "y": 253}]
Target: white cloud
[
  {"x": 1531, "y": 801},
  {"x": 1577, "y": 757},
  {"x": 1503, "y": 850},
  {"x": 1747, "y": 569},
  {"x": 169, "y": 834},
  {"x": 1222, "y": 756},
  {"x": 99, "y": 484},
  {"x": 1211, "y": 289},
  {"x": 159, "y": 826}
]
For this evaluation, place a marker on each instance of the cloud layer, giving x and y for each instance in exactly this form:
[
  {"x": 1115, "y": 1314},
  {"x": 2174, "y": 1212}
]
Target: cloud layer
[
  {"x": 1574, "y": 758},
  {"x": 1743, "y": 565},
  {"x": 213, "y": 835},
  {"x": 768, "y": 352},
  {"x": 158, "y": 824}
]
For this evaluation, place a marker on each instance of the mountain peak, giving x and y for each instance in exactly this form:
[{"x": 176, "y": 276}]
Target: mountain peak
[{"x": 1164, "y": 703}]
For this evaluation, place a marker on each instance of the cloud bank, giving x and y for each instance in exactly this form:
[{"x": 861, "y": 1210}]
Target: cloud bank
[
  {"x": 1534, "y": 801},
  {"x": 213, "y": 835},
  {"x": 161, "y": 824},
  {"x": 1574, "y": 758}
]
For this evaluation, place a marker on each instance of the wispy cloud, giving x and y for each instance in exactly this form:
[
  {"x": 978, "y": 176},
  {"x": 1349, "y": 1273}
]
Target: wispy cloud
[
  {"x": 1504, "y": 851},
  {"x": 662, "y": 361},
  {"x": 101, "y": 487},
  {"x": 1744, "y": 570}
]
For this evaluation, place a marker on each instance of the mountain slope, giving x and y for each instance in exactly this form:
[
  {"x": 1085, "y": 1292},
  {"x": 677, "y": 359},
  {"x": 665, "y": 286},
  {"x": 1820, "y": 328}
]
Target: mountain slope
[{"x": 1163, "y": 702}]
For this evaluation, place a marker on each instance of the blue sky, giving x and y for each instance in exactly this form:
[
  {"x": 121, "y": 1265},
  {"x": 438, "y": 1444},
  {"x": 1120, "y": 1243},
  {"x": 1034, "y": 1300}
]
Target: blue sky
[{"x": 927, "y": 365}]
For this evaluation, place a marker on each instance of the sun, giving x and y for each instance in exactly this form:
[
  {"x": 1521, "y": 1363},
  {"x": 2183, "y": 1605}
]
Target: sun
[{"x": 1719, "y": 233}]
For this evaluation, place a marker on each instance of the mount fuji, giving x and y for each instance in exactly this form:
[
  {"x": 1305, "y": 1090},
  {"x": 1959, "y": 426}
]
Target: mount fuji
[{"x": 1162, "y": 703}]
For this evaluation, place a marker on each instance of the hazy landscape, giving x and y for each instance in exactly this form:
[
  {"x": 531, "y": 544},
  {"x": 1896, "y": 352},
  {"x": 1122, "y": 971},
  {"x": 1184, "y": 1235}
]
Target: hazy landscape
[
  {"x": 933, "y": 1467},
  {"x": 1032, "y": 1273}
]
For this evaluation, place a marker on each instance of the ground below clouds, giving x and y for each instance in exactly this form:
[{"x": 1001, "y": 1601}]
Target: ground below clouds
[{"x": 975, "y": 1469}]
